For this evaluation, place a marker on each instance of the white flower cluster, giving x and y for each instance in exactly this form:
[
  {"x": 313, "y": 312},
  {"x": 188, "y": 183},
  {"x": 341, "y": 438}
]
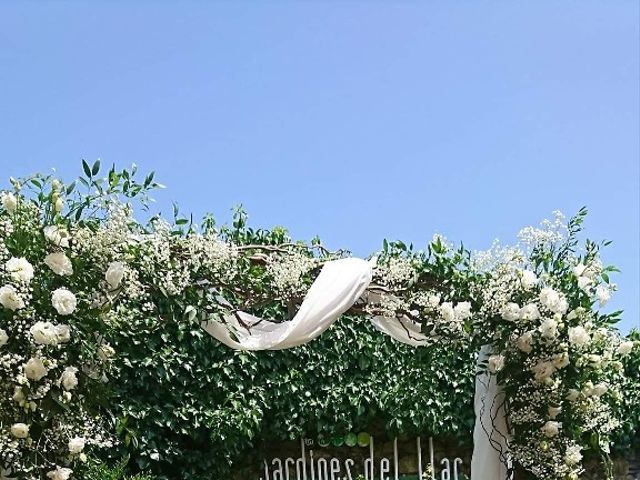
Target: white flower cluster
[
  {"x": 573, "y": 363},
  {"x": 548, "y": 234},
  {"x": 396, "y": 271},
  {"x": 288, "y": 273},
  {"x": 41, "y": 348},
  {"x": 209, "y": 254}
]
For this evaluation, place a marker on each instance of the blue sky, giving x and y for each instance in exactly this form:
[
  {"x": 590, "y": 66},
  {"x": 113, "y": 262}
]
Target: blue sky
[{"x": 352, "y": 120}]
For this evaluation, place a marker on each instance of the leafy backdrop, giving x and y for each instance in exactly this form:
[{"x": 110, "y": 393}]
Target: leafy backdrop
[{"x": 194, "y": 406}]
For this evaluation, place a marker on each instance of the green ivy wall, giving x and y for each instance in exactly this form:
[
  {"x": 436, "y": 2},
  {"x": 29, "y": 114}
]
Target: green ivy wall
[{"x": 193, "y": 408}]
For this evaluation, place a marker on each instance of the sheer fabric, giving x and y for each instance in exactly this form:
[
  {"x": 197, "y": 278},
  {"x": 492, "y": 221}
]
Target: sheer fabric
[
  {"x": 338, "y": 286},
  {"x": 490, "y": 458}
]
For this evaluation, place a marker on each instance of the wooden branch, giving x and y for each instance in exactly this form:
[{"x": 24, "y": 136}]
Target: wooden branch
[{"x": 282, "y": 248}]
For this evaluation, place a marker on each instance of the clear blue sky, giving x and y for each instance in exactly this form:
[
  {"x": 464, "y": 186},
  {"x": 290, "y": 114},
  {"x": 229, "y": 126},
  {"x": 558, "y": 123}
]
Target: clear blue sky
[{"x": 352, "y": 120}]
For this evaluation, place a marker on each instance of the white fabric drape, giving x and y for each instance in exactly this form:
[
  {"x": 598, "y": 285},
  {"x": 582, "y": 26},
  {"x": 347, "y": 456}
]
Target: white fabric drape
[
  {"x": 338, "y": 286},
  {"x": 490, "y": 458},
  {"x": 401, "y": 329}
]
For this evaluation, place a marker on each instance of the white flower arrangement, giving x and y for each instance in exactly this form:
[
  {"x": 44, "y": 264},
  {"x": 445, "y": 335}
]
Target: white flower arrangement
[{"x": 568, "y": 390}]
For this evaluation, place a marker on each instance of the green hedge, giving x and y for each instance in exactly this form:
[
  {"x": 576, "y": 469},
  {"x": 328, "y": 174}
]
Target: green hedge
[
  {"x": 627, "y": 439},
  {"x": 193, "y": 407}
]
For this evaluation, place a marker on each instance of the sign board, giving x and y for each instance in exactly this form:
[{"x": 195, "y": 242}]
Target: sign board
[{"x": 314, "y": 463}]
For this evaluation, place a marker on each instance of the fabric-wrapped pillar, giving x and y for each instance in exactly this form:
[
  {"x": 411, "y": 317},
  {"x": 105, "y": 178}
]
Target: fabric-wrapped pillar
[{"x": 490, "y": 458}]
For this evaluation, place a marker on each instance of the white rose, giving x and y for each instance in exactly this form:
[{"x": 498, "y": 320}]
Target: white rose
[
  {"x": 528, "y": 279},
  {"x": 549, "y": 328},
  {"x": 10, "y": 299},
  {"x": 529, "y": 312},
  {"x": 44, "y": 333},
  {"x": 599, "y": 389},
  {"x": 463, "y": 310},
  {"x": 59, "y": 263},
  {"x": 551, "y": 428},
  {"x": 510, "y": 312},
  {"x": 579, "y": 269},
  {"x": 60, "y": 473},
  {"x": 577, "y": 313},
  {"x": 524, "y": 342},
  {"x": 4, "y": 338},
  {"x": 57, "y": 235},
  {"x": 578, "y": 336},
  {"x": 447, "y": 312},
  {"x": 34, "y": 369},
  {"x": 495, "y": 363},
  {"x": 20, "y": 430},
  {"x": 573, "y": 395},
  {"x": 63, "y": 301},
  {"x": 616, "y": 365},
  {"x": 584, "y": 283},
  {"x": 433, "y": 300},
  {"x": 561, "y": 360},
  {"x": 624, "y": 348},
  {"x": 548, "y": 296},
  {"x": 58, "y": 205},
  {"x": 76, "y": 445},
  {"x": 9, "y": 202},
  {"x": 20, "y": 269},
  {"x": 572, "y": 455},
  {"x": 543, "y": 371},
  {"x": 603, "y": 294},
  {"x": 553, "y": 300},
  {"x": 18, "y": 395},
  {"x": 587, "y": 389},
  {"x": 68, "y": 379},
  {"x": 554, "y": 411},
  {"x": 63, "y": 333},
  {"x": 105, "y": 352},
  {"x": 562, "y": 306},
  {"x": 114, "y": 274},
  {"x": 595, "y": 360}
]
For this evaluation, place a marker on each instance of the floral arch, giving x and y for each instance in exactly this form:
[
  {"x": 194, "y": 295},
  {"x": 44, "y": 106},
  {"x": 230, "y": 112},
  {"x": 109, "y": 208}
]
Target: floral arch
[{"x": 76, "y": 265}]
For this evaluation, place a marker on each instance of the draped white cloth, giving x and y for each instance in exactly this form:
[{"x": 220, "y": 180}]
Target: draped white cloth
[
  {"x": 338, "y": 287},
  {"x": 490, "y": 435},
  {"x": 401, "y": 329}
]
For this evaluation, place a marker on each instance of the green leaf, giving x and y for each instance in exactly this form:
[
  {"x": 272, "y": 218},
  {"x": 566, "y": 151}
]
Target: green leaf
[
  {"x": 86, "y": 168},
  {"x": 149, "y": 179}
]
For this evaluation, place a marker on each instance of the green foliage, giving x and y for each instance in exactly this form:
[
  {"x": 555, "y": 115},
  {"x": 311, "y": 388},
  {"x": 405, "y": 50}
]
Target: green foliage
[
  {"x": 96, "y": 470},
  {"x": 627, "y": 437},
  {"x": 194, "y": 407}
]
